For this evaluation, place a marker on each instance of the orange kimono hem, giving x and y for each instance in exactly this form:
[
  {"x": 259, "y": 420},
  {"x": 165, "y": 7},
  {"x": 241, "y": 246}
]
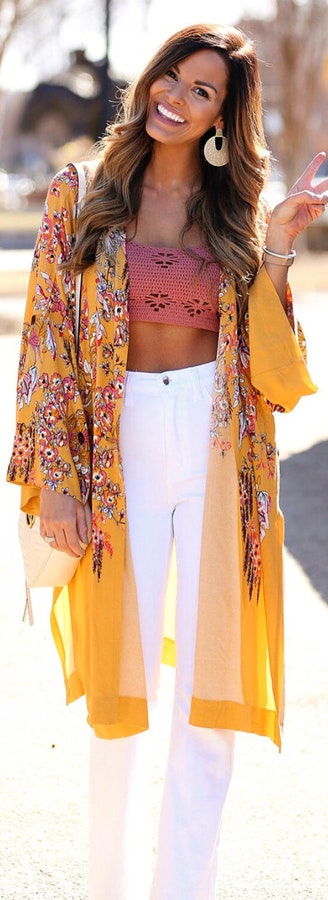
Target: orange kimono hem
[
  {"x": 237, "y": 717},
  {"x": 110, "y": 717},
  {"x": 132, "y": 718}
]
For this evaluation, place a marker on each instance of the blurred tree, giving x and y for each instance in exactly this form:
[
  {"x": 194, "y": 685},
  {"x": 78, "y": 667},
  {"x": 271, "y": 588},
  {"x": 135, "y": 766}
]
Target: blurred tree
[
  {"x": 301, "y": 37},
  {"x": 35, "y": 25},
  {"x": 292, "y": 46},
  {"x": 15, "y": 14}
]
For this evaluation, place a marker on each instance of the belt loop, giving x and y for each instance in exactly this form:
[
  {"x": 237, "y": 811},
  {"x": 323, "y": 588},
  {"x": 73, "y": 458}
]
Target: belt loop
[{"x": 196, "y": 382}]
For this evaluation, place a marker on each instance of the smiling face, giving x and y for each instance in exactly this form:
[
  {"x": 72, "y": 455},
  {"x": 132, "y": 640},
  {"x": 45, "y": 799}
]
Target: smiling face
[{"x": 186, "y": 101}]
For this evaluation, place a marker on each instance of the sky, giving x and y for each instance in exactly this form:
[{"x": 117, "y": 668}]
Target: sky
[
  {"x": 164, "y": 18},
  {"x": 133, "y": 40}
]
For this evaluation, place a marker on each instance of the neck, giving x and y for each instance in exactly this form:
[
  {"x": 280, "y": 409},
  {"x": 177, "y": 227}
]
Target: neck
[{"x": 173, "y": 169}]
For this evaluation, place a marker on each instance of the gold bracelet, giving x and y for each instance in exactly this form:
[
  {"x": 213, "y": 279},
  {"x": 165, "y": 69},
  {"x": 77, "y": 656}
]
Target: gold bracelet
[{"x": 279, "y": 259}]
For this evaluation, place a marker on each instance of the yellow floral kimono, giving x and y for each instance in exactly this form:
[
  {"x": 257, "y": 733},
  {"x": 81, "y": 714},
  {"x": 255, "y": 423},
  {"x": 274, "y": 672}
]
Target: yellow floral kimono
[{"x": 67, "y": 437}]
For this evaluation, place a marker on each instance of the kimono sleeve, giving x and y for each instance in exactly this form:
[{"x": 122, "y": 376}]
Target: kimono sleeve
[
  {"x": 51, "y": 444},
  {"x": 277, "y": 353}
]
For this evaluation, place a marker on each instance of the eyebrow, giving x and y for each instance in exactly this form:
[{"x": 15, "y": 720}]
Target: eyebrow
[
  {"x": 206, "y": 84},
  {"x": 200, "y": 83}
]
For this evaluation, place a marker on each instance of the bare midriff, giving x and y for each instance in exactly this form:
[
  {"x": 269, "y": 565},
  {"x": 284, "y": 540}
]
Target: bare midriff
[{"x": 154, "y": 347}]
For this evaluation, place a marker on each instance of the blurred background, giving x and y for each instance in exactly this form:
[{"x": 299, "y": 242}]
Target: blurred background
[{"x": 62, "y": 65}]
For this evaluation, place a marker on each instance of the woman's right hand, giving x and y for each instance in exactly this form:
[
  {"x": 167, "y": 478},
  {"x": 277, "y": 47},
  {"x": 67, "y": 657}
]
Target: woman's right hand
[{"x": 66, "y": 519}]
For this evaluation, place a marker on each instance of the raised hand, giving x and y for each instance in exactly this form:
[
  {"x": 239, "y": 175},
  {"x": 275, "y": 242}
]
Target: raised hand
[{"x": 304, "y": 203}]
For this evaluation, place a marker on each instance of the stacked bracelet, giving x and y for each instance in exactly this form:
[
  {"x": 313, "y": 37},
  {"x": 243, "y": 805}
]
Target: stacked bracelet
[{"x": 279, "y": 259}]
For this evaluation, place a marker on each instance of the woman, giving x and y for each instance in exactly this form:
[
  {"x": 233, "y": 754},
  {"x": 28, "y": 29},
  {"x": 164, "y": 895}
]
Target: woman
[{"x": 163, "y": 427}]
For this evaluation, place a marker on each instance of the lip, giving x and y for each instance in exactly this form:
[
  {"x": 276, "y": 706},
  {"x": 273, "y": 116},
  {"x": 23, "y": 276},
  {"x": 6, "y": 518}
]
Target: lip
[{"x": 168, "y": 119}]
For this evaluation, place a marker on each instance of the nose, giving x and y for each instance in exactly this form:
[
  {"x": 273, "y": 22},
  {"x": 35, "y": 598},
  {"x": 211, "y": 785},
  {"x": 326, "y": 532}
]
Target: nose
[{"x": 177, "y": 92}]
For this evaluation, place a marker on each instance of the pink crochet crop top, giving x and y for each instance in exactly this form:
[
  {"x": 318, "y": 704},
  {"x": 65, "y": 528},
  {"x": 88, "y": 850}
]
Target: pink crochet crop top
[{"x": 166, "y": 286}]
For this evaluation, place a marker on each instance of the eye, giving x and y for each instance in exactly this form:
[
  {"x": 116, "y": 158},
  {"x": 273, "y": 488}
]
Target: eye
[
  {"x": 201, "y": 92},
  {"x": 172, "y": 74}
]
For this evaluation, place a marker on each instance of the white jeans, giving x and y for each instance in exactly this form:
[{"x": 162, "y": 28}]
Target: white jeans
[{"x": 164, "y": 438}]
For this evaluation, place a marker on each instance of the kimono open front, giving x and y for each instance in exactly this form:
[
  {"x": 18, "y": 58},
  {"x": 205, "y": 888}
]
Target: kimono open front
[{"x": 67, "y": 438}]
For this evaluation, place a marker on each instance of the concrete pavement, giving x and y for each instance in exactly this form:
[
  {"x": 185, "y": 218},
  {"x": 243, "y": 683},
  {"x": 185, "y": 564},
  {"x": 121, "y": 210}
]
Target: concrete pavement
[{"x": 275, "y": 830}]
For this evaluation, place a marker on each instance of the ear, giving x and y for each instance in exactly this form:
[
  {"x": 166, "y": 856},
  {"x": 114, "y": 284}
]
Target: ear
[{"x": 219, "y": 123}]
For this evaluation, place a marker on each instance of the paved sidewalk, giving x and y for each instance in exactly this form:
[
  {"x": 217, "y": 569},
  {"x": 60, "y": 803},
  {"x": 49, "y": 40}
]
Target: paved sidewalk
[{"x": 274, "y": 836}]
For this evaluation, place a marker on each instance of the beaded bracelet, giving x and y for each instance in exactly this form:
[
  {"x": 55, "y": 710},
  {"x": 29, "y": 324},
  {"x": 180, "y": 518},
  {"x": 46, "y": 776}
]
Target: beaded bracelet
[{"x": 286, "y": 259}]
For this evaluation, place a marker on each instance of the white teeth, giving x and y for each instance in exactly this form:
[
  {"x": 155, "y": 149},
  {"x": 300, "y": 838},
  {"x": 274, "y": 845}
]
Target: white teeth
[{"x": 169, "y": 115}]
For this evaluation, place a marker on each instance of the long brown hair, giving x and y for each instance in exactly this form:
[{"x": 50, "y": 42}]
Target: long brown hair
[{"x": 227, "y": 208}]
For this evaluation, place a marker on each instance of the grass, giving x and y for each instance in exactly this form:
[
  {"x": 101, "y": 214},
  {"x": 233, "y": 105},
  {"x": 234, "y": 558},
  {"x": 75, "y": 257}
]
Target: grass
[
  {"x": 310, "y": 272},
  {"x": 13, "y": 284},
  {"x": 20, "y": 220}
]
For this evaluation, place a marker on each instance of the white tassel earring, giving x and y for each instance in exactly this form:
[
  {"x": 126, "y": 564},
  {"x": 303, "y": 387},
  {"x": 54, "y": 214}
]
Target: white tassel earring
[{"x": 216, "y": 149}]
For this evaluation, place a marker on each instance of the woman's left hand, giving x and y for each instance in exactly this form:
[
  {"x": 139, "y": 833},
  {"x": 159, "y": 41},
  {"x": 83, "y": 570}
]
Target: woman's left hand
[{"x": 304, "y": 203}]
